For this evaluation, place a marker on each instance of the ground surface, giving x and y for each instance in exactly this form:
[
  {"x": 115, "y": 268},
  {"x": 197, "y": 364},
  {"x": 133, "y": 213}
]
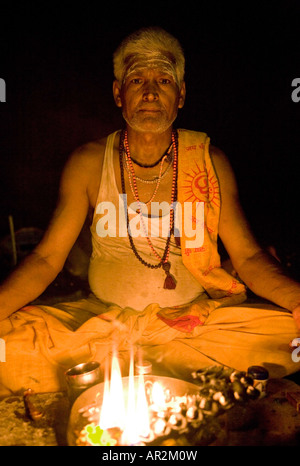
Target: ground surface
[{"x": 272, "y": 421}]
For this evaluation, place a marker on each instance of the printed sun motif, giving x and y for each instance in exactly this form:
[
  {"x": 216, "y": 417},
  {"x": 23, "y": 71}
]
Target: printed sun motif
[{"x": 201, "y": 186}]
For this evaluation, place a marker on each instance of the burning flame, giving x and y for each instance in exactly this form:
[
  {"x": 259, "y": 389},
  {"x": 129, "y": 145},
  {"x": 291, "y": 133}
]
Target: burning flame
[
  {"x": 113, "y": 406},
  {"x": 128, "y": 410},
  {"x": 158, "y": 397}
]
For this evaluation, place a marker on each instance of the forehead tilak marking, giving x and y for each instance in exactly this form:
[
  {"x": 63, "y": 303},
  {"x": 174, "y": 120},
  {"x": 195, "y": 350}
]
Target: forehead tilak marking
[{"x": 162, "y": 61}]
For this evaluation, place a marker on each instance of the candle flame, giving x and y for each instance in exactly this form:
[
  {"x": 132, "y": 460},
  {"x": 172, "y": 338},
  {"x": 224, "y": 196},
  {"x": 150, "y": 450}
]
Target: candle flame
[
  {"x": 128, "y": 410},
  {"x": 130, "y": 434},
  {"x": 158, "y": 396},
  {"x": 113, "y": 405},
  {"x": 142, "y": 410}
]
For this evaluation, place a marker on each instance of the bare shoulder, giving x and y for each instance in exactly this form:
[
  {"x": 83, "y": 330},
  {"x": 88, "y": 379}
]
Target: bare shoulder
[
  {"x": 88, "y": 156},
  {"x": 84, "y": 167}
]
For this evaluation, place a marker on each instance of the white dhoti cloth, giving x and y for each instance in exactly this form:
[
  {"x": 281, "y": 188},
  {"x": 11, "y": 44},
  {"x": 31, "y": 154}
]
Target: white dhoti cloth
[{"x": 42, "y": 342}]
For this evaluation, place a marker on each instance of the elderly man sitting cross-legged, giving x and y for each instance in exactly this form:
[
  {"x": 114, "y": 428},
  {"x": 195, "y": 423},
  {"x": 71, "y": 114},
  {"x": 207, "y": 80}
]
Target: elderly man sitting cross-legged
[{"x": 160, "y": 199}]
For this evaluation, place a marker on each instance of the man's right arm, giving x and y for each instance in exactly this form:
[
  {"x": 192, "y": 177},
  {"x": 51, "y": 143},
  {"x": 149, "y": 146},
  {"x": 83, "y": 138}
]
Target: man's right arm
[{"x": 40, "y": 268}]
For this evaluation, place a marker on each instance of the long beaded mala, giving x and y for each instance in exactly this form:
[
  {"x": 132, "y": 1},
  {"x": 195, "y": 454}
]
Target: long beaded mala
[{"x": 169, "y": 282}]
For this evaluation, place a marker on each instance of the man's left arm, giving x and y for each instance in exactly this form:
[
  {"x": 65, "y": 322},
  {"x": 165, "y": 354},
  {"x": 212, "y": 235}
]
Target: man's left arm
[{"x": 261, "y": 272}]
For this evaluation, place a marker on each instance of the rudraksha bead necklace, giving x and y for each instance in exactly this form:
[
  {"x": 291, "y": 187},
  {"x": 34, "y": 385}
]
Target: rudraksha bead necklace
[{"x": 169, "y": 282}]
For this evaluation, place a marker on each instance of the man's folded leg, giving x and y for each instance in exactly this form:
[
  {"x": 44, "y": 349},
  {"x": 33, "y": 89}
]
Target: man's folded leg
[{"x": 237, "y": 337}]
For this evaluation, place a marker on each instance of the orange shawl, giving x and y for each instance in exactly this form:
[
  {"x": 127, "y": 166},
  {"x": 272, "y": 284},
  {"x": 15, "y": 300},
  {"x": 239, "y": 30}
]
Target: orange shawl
[{"x": 198, "y": 182}]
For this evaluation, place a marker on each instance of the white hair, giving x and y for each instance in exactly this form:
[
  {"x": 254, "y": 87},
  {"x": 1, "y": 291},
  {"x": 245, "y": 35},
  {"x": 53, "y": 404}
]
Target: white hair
[{"x": 152, "y": 46}]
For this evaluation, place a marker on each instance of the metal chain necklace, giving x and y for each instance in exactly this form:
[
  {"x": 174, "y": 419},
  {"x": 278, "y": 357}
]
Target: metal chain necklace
[
  {"x": 151, "y": 180},
  {"x": 132, "y": 178},
  {"x": 169, "y": 282}
]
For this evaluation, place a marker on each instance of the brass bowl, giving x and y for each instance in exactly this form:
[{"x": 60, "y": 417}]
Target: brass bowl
[
  {"x": 93, "y": 397},
  {"x": 81, "y": 377}
]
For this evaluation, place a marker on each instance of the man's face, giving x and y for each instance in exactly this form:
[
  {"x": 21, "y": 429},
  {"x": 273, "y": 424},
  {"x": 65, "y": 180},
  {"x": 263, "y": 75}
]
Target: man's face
[{"x": 149, "y": 98}]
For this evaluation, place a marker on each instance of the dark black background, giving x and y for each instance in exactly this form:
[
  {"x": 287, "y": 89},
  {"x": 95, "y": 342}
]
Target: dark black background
[{"x": 56, "y": 60}]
